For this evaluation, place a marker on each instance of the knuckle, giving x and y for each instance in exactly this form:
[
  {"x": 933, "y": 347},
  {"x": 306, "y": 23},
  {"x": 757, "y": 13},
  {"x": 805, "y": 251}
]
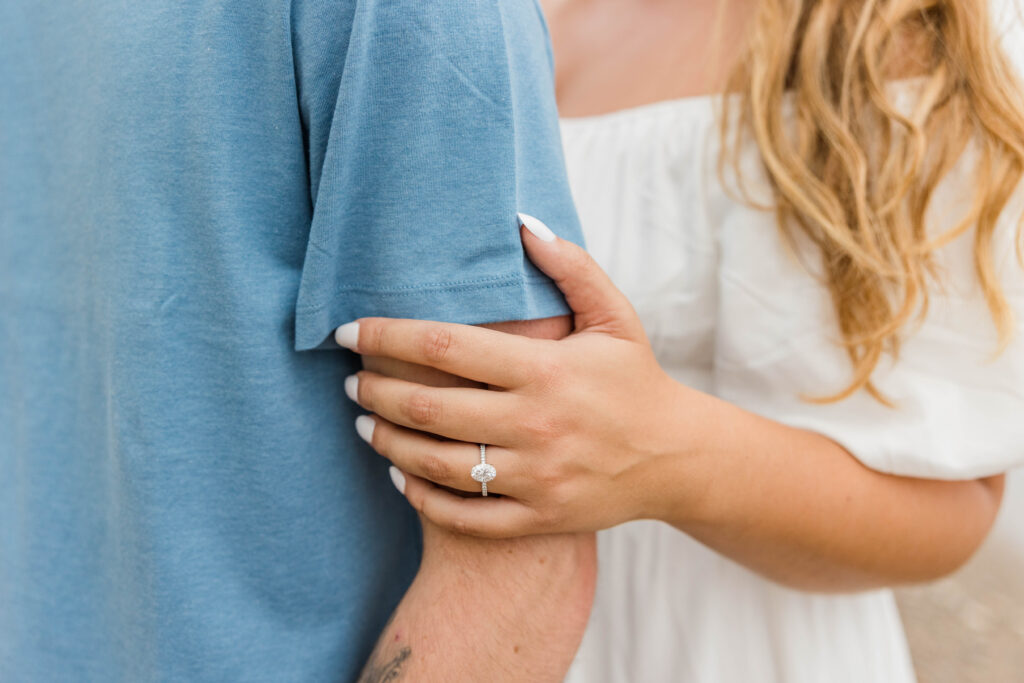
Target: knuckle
[
  {"x": 559, "y": 497},
  {"x": 422, "y": 408},
  {"x": 429, "y": 509},
  {"x": 461, "y": 526},
  {"x": 374, "y": 330},
  {"x": 548, "y": 371},
  {"x": 366, "y": 391},
  {"x": 435, "y": 468},
  {"x": 437, "y": 344},
  {"x": 578, "y": 259},
  {"x": 548, "y": 478},
  {"x": 541, "y": 428}
]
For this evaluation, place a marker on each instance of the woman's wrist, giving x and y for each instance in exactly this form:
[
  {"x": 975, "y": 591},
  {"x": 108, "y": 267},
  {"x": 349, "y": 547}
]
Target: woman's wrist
[{"x": 675, "y": 481}]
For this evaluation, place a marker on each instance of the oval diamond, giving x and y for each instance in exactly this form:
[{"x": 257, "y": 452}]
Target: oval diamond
[{"x": 483, "y": 472}]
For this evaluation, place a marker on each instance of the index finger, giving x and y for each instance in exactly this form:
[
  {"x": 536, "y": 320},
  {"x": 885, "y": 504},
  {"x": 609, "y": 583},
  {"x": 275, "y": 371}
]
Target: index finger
[{"x": 476, "y": 353}]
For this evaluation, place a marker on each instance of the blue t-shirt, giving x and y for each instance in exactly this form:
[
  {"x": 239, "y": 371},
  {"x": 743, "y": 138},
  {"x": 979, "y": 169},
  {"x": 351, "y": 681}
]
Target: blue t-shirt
[{"x": 193, "y": 194}]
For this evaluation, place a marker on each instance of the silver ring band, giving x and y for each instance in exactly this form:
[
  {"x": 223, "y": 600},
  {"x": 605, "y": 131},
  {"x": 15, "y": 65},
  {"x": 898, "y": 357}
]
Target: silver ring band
[{"x": 484, "y": 472}]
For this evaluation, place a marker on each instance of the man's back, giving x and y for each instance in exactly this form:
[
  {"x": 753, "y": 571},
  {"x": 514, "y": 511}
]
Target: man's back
[{"x": 192, "y": 194}]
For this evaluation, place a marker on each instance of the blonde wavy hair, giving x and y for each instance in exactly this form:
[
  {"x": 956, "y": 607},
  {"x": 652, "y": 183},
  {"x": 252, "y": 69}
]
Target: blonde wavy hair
[{"x": 854, "y": 173}]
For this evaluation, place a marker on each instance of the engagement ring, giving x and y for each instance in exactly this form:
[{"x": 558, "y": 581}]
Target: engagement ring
[{"x": 483, "y": 472}]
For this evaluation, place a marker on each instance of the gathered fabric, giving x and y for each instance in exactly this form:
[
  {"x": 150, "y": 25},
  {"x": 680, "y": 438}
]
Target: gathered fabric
[{"x": 735, "y": 310}]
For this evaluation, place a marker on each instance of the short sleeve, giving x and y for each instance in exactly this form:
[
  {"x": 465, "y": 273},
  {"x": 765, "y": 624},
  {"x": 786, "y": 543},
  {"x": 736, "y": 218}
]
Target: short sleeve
[
  {"x": 430, "y": 127},
  {"x": 958, "y": 405}
]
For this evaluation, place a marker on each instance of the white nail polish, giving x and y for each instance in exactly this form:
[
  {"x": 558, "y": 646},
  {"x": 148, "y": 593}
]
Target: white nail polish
[
  {"x": 537, "y": 227},
  {"x": 347, "y": 335},
  {"x": 352, "y": 387},
  {"x": 397, "y": 478},
  {"x": 364, "y": 427}
]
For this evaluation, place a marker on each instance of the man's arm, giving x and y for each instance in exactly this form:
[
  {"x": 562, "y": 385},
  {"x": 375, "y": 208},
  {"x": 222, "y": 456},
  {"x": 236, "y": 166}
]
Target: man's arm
[{"x": 480, "y": 609}]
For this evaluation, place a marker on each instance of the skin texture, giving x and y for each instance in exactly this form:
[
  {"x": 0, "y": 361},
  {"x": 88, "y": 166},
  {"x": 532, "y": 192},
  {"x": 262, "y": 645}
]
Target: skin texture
[
  {"x": 489, "y": 611},
  {"x": 612, "y": 55},
  {"x": 755, "y": 496},
  {"x": 588, "y": 432},
  {"x": 480, "y": 609}
]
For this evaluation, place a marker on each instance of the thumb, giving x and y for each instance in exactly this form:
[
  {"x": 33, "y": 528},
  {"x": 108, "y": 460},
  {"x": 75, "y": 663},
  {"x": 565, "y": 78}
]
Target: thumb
[{"x": 597, "y": 303}]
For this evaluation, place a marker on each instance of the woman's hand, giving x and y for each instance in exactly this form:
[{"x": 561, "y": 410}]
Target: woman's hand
[
  {"x": 588, "y": 432},
  {"x": 575, "y": 428}
]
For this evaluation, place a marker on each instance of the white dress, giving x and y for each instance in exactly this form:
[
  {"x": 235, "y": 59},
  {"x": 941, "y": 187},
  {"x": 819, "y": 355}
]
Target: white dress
[{"x": 732, "y": 311}]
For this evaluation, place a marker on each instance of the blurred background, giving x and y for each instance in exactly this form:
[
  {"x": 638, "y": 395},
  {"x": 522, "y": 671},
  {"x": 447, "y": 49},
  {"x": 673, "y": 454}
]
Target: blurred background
[{"x": 969, "y": 628}]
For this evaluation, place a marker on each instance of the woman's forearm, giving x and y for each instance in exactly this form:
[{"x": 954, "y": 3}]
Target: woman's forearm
[
  {"x": 589, "y": 432},
  {"x": 799, "y": 509}
]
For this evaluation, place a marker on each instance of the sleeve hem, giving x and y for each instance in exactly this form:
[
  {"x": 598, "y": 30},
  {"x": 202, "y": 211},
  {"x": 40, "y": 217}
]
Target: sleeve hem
[{"x": 472, "y": 302}]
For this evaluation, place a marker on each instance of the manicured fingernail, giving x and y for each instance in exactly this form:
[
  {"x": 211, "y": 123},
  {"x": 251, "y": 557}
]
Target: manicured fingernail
[
  {"x": 537, "y": 227},
  {"x": 352, "y": 387},
  {"x": 364, "y": 427},
  {"x": 397, "y": 478},
  {"x": 347, "y": 335}
]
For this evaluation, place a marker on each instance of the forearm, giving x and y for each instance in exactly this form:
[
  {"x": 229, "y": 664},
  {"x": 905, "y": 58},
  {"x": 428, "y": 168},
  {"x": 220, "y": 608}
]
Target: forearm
[
  {"x": 479, "y": 609},
  {"x": 511, "y": 610},
  {"x": 796, "y": 507},
  {"x": 603, "y": 435}
]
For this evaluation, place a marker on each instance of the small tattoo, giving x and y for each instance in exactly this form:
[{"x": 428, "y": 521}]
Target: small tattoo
[{"x": 379, "y": 672}]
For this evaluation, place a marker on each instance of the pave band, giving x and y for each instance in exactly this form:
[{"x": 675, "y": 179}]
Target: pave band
[{"x": 484, "y": 472}]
